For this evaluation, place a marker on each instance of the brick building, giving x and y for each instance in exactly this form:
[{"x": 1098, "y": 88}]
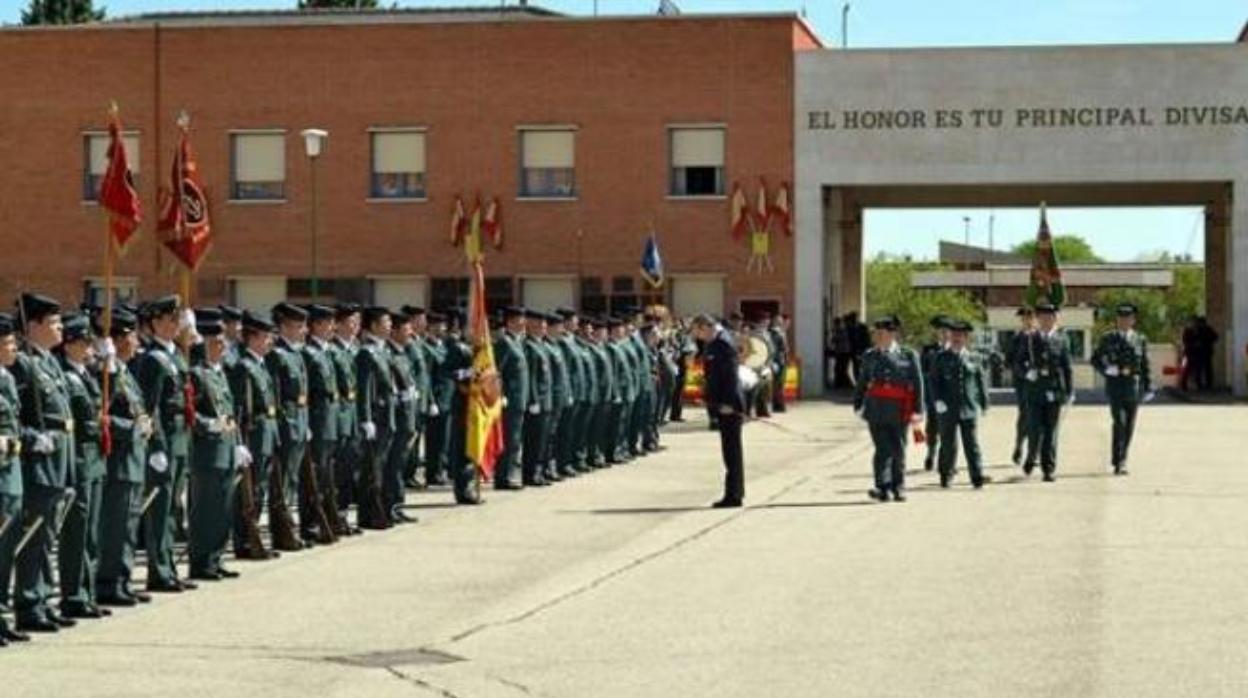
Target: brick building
[{"x": 602, "y": 126}]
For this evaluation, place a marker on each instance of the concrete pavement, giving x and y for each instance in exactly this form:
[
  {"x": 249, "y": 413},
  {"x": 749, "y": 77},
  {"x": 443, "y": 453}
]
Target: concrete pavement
[{"x": 623, "y": 584}]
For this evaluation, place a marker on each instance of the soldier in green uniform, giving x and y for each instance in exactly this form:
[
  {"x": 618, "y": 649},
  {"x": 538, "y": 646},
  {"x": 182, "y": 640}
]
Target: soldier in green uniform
[
  {"x": 163, "y": 375},
  {"x": 1020, "y": 344},
  {"x": 78, "y": 554},
  {"x": 598, "y": 449},
  {"x": 290, "y": 380},
  {"x": 625, "y": 393},
  {"x": 650, "y": 417},
  {"x": 215, "y": 453},
  {"x": 1122, "y": 358},
  {"x": 130, "y": 427},
  {"x": 578, "y": 330},
  {"x": 406, "y": 411},
  {"x": 513, "y": 370},
  {"x": 541, "y": 402},
  {"x": 232, "y": 319},
  {"x": 347, "y": 456},
  {"x": 255, "y": 402},
  {"x": 643, "y": 379},
  {"x": 457, "y": 370},
  {"x": 889, "y": 396},
  {"x": 959, "y": 394},
  {"x": 441, "y": 390},
  {"x": 557, "y": 464},
  {"x": 419, "y": 361},
  {"x": 567, "y": 438},
  {"x": 375, "y": 400},
  {"x": 927, "y": 356},
  {"x": 10, "y": 472},
  {"x": 318, "y": 494},
  {"x": 47, "y": 459},
  {"x": 1046, "y": 369}
]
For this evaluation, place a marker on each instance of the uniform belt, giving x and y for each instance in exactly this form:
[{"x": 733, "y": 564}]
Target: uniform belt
[{"x": 302, "y": 401}]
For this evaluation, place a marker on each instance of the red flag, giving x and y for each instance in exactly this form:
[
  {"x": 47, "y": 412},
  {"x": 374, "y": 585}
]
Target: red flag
[
  {"x": 459, "y": 221},
  {"x": 485, "y": 440},
  {"x": 492, "y": 223},
  {"x": 740, "y": 213},
  {"x": 780, "y": 209},
  {"x": 184, "y": 225},
  {"x": 762, "y": 212},
  {"x": 117, "y": 192}
]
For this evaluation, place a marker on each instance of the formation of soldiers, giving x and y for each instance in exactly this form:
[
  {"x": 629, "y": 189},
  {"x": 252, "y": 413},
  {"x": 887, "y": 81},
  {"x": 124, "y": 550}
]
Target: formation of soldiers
[
  {"x": 939, "y": 395},
  {"x": 215, "y": 416}
]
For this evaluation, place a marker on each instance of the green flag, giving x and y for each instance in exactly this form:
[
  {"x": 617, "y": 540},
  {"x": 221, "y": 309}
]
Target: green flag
[{"x": 1046, "y": 277}]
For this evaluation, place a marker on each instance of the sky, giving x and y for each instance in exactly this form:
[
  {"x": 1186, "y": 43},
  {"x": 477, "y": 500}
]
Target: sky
[{"x": 1117, "y": 234}]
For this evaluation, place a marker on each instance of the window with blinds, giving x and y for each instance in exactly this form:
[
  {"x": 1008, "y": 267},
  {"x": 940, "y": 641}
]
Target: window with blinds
[
  {"x": 548, "y": 163},
  {"x": 257, "y": 166},
  {"x": 398, "y": 165},
  {"x": 95, "y": 161},
  {"x": 697, "y": 161}
]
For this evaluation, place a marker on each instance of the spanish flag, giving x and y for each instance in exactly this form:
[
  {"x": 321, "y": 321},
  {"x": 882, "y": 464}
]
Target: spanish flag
[{"x": 485, "y": 409}]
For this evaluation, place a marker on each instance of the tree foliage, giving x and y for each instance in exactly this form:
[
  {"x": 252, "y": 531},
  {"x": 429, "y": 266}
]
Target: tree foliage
[
  {"x": 889, "y": 290},
  {"x": 61, "y": 12},
  {"x": 1071, "y": 249},
  {"x": 337, "y": 4},
  {"x": 1161, "y": 314}
]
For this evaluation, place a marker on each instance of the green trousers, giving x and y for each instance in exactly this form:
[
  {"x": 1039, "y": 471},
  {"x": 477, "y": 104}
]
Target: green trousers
[
  {"x": 211, "y": 516},
  {"x": 78, "y": 556},
  {"x": 119, "y": 530}
]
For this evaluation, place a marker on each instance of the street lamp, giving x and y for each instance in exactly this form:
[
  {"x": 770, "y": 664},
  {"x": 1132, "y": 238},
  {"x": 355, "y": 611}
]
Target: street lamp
[
  {"x": 314, "y": 142},
  {"x": 966, "y": 221}
]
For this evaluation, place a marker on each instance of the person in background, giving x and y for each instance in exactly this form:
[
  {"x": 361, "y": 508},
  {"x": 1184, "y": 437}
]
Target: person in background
[{"x": 722, "y": 393}]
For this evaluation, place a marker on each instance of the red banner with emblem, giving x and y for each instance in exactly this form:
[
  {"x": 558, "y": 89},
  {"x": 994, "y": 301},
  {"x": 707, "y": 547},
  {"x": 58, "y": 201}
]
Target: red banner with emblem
[{"x": 184, "y": 225}]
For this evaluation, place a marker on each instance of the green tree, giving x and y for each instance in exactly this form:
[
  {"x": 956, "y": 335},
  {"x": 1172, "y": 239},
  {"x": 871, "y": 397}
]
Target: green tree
[
  {"x": 1071, "y": 249},
  {"x": 889, "y": 290},
  {"x": 61, "y": 12},
  {"x": 1161, "y": 314},
  {"x": 337, "y": 4}
]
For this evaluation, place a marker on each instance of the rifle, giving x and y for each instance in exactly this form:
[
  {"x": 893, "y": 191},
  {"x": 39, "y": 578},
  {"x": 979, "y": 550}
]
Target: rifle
[
  {"x": 312, "y": 499},
  {"x": 247, "y": 484},
  {"x": 59, "y": 513}
]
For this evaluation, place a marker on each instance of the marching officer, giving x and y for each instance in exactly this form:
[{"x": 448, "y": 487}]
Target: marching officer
[
  {"x": 290, "y": 380},
  {"x": 1045, "y": 365},
  {"x": 406, "y": 412},
  {"x": 345, "y": 346},
  {"x": 319, "y": 493},
  {"x": 541, "y": 403},
  {"x": 513, "y": 369},
  {"x": 1122, "y": 358},
  {"x": 255, "y": 402},
  {"x": 215, "y": 453},
  {"x": 47, "y": 460},
  {"x": 889, "y": 396},
  {"x": 10, "y": 471},
  {"x": 927, "y": 357},
  {"x": 440, "y": 392},
  {"x": 164, "y": 377},
  {"x": 1020, "y": 344},
  {"x": 375, "y": 400},
  {"x": 121, "y": 507},
  {"x": 959, "y": 395},
  {"x": 78, "y": 554}
]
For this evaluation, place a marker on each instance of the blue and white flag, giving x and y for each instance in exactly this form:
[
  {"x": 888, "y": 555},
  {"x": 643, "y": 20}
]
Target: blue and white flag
[{"x": 652, "y": 262}]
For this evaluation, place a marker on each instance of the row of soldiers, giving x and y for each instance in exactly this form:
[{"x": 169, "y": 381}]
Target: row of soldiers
[
  {"x": 946, "y": 387},
  {"x": 317, "y": 409}
]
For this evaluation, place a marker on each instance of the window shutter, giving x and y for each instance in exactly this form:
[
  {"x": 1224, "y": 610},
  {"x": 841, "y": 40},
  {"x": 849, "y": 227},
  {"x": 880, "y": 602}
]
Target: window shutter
[
  {"x": 398, "y": 153},
  {"x": 549, "y": 149},
  {"x": 698, "y": 147},
  {"x": 259, "y": 158}
]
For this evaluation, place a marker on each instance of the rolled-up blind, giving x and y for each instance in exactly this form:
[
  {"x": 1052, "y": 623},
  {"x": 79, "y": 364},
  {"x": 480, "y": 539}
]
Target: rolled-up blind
[
  {"x": 259, "y": 157},
  {"x": 698, "y": 147},
  {"x": 398, "y": 153},
  {"x": 97, "y": 148},
  {"x": 549, "y": 149}
]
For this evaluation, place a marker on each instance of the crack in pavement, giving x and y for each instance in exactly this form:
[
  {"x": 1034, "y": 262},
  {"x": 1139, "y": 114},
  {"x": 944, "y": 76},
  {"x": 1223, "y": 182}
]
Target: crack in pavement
[
  {"x": 421, "y": 683},
  {"x": 851, "y": 452}
]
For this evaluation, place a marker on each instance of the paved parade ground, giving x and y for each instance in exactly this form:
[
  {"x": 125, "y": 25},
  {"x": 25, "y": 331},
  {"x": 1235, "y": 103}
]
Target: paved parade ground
[{"x": 622, "y": 583}]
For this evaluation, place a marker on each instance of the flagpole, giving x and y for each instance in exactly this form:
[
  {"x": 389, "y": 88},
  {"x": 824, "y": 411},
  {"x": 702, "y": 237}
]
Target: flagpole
[{"x": 107, "y": 324}]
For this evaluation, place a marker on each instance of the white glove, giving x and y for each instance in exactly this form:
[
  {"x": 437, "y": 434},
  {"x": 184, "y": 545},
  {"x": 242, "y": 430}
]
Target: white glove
[
  {"x": 186, "y": 321},
  {"x": 941, "y": 407},
  {"x": 308, "y": 436},
  {"x": 216, "y": 425},
  {"x": 1111, "y": 371},
  {"x": 158, "y": 462},
  {"x": 370, "y": 430},
  {"x": 1032, "y": 375},
  {"x": 433, "y": 410},
  {"x": 145, "y": 426},
  {"x": 535, "y": 409},
  {"x": 504, "y": 402},
  {"x": 43, "y": 443},
  {"x": 242, "y": 456},
  {"x": 1148, "y": 397},
  {"x": 415, "y": 394},
  {"x": 104, "y": 348}
]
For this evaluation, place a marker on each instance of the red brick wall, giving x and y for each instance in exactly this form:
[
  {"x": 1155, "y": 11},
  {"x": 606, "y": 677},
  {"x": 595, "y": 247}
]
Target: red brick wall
[{"x": 620, "y": 81}]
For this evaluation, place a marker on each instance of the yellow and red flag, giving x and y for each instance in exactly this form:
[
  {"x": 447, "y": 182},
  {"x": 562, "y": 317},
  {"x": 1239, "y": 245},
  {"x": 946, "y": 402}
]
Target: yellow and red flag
[
  {"x": 117, "y": 193},
  {"x": 492, "y": 223},
  {"x": 485, "y": 408},
  {"x": 740, "y": 213},
  {"x": 780, "y": 209},
  {"x": 184, "y": 226}
]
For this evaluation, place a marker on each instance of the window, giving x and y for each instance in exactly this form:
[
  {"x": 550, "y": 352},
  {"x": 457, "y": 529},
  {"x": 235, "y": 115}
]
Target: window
[
  {"x": 258, "y": 166},
  {"x": 329, "y": 290},
  {"x": 398, "y": 170},
  {"x": 95, "y": 161},
  {"x": 125, "y": 290},
  {"x": 397, "y": 291},
  {"x": 593, "y": 299},
  {"x": 548, "y": 293},
  {"x": 257, "y": 293},
  {"x": 697, "y": 161},
  {"x": 693, "y": 295},
  {"x": 499, "y": 291},
  {"x": 547, "y": 164},
  {"x": 452, "y": 292}
]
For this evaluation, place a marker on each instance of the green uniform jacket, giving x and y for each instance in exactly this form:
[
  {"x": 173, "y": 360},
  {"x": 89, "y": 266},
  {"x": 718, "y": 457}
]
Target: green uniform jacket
[
  {"x": 927, "y": 357},
  {"x": 899, "y": 366},
  {"x": 1045, "y": 366},
  {"x": 1126, "y": 356},
  {"x": 570, "y": 350},
  {"x": 513, "y": 369},
  {"x": 85, "y": 402},
  {"x": 419, "y": 360},
  {"x": 541, "y": 376},
  {"x": 441, "y": 378},
  {"x": 323, "y": 393},
  {"x": 589, "y": 370},
  {"x": 125, "y": 411},
  {"x": 162, "y": 373},
  {"x": 604, "y": 374},
  {"x": 343, "y": 355},
  {"x": 290, "y": 379},
  {"x": 11, "y": 432},
  {"x": 643, "y": 366},
  {"x": 957, "y": 380},
  {"x": 45, "y": 409},
  {"x": 622, "y": 369},
  {"x": 561, "y": 395},
  {"x": 374, "y": 379},
  {"x": 255, "y": 404},
  {"x": 407, "y": 405},
  {"x": 214, "y": 450}
]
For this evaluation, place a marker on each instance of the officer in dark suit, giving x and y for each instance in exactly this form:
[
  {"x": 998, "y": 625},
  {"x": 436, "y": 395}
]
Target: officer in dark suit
[
  {"x": 1122, "y": 358},
  {"x": 889, "y": 397},
  {"x": 959, "y": 394},
  {"x": 10, "y": 471},
  {"x": 722, "y": 393},
  {"x": 927, "y": 357},
  {"x": 1047, "y": 370},
  {"x": 513, "y": 369}
]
